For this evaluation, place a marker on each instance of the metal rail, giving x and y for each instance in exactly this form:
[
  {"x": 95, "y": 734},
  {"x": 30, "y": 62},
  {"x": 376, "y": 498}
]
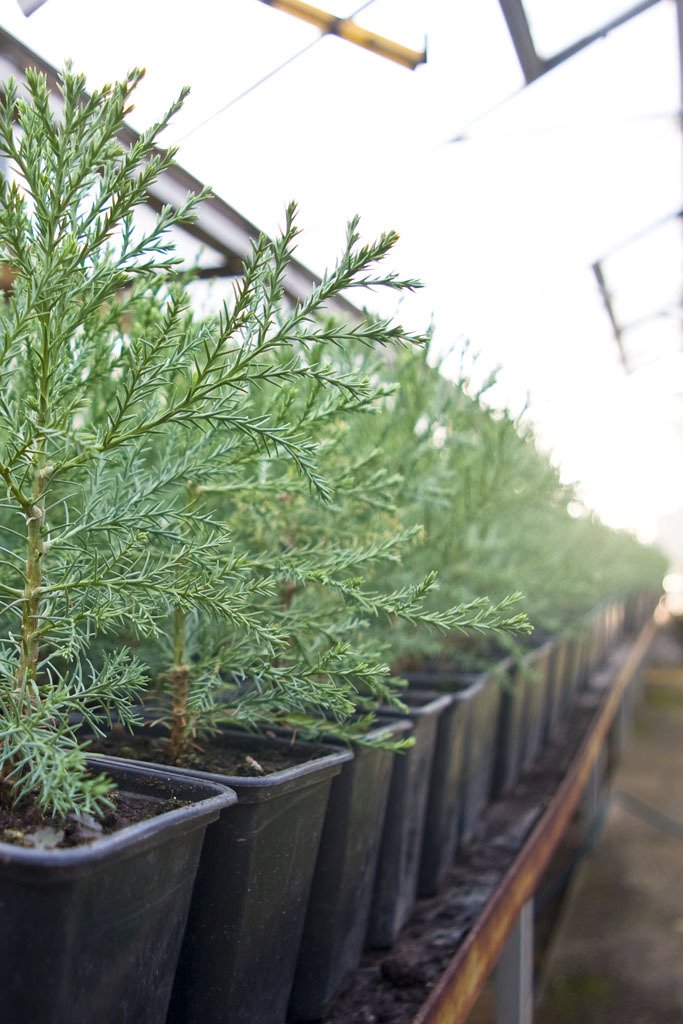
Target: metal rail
[
  {"x": 459, "y": 987},
  {"x": 218, "y": 226},
  {"x": 347, "y": 29}
]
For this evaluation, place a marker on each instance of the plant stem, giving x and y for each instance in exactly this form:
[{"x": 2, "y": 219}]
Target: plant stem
[
  {"x": 27, "y": 670},
  {"x": 288, "y": 591},
  {"x": 180, "y": 686}
]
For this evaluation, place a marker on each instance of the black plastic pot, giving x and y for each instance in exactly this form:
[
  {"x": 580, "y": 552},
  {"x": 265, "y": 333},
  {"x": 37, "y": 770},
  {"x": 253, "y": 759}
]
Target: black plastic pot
[
  {"x": 557, "y": 689},
  {"x": 239, "y": 955},
  {"x": 339, "y": 904},
  {"x": 523, "y": 716},
  {"x": 639, "y": 607},
  {"x": 444, "y": 797},
  {"x": 578, "y": 664},
  {"x": 93, "y": 933},
  {"x": 535, "y": 669},
  {"x": 510, "y": 736},
  {"x": 485, "y": 695},
  {"x": 632, "y": 613},
  {"x": 396, "y": 879},
  {"x": 597, "y": 638},
  {"x": 247, "y": 913},
  {"x": 446, "y": 793},
  {"x": 616, "y": 623},
  {"x": 480, "y": 696},
  {"x": 572, "y": 670}
]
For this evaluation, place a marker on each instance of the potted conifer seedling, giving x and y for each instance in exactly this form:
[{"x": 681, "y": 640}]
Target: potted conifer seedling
[
  {"x": 290, "y": 648},
  {"x": 313, "y": 546},
  {"x": 227, "y": 414},
  {"x": 95, "y": 880}
]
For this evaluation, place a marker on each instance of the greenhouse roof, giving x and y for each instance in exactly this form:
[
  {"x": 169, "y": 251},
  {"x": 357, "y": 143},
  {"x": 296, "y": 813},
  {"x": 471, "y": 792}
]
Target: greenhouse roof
[
  {"x": 543, "y": 217},
  {"x": 224, "y": 235}
]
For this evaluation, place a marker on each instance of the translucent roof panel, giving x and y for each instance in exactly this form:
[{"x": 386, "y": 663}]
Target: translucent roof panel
[
  {"x": 502, "y": 225},
  {"x": 658, "y": 339}
]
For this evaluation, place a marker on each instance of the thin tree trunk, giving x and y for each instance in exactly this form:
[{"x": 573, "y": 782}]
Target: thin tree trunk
[
  {"x": 180, "y": 688},
  {"x": 29, "y": 654}
]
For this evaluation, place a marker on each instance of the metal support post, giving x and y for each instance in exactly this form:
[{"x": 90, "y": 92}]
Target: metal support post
[
  {"x": 514, "y": 983},
  {"x": 594, "y": 792},
  {"x": 620, "y": 732}
]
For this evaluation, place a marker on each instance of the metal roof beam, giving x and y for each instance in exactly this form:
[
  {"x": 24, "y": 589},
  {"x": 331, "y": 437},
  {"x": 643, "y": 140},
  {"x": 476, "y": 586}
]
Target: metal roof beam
[
  {"x": 643, "y": 233},
  {"x": 533, "y": 65},
  {"x": 346, "y": 28},
  {"x": 658, "y": 314},
  {"x": 607, "y": 300},
  {"x": 599, "y": 33},
  {"x": 518, "y": 26}
]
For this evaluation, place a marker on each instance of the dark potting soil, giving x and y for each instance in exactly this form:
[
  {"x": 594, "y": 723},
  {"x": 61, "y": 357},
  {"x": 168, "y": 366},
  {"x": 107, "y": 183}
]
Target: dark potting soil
[
  {"x": 217, "y": 756},
  {"x": 390, "y": 987},
  {"x": 25, "y": 825},
  {"x": 468, "y": 655}
]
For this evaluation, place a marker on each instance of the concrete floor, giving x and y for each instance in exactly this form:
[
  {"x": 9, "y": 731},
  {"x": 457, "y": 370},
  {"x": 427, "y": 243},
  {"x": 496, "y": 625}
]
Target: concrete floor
[{"x": 617, "y": 955}]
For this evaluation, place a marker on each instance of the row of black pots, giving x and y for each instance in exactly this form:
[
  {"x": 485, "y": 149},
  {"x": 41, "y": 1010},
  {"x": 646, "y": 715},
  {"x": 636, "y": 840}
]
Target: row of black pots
[
  {"x": 249, "y": 911},
  {"x": 474, "y": 735},
  {"x": 407, "y": 850},
  {"x": 298, "y": 869}
]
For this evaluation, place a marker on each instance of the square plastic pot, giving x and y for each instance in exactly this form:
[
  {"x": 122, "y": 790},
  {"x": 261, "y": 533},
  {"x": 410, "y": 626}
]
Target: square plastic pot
[
  {"x": 558, "y": 688},
  {"x": 632, "y": 613},
  {"x": 339, "y": 904},
  {"x": 485, "y": 695},
  {"x": 510, "y": 735},
  {"x": 444, "y": 796},
  {"x": 639, "y": 607},
  {"x": 578, "y": 658},
  {"x": 247, "y": 913},
  {"x": 92, "y": 934},
  {"x": 401, "y": 846},
  {"x": 480, "y": 696},
  {"x": 445, "y": 799},
  {"x": 535, "y": 671},
  {"x": 597, "y": 622},
  {"x": 615, "y": 623}
]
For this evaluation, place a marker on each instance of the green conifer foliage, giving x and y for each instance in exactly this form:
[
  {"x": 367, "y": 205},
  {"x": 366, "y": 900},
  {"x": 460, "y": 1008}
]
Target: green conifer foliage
[
  {"x": 495, "y": 515},
  {"x": 67, "y": 237},
  {"x": 321, "y": 552},
  {"x": 247, "y": 509},
  {"x": 122, "y": 417}
]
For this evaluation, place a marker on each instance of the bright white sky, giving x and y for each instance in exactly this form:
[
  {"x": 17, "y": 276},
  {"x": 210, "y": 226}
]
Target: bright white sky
[{"x": 502, "y": 226}]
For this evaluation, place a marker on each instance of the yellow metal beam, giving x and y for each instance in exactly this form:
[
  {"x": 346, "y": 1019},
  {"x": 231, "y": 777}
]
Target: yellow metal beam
[{"x": 347, "y": 29}]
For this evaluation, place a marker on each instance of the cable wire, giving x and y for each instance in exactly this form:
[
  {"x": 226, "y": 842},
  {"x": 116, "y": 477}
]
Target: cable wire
[{"x": 271, "y": 74}]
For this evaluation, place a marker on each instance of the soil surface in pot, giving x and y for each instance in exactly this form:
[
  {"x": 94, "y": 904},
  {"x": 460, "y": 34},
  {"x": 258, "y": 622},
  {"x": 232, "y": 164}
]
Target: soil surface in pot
[
  {"x": 470, "y": 654},
  {"x": 390, "y": 987},
  {"x": 25, "y": 825},
  {"x": 216, "y": 756}
]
